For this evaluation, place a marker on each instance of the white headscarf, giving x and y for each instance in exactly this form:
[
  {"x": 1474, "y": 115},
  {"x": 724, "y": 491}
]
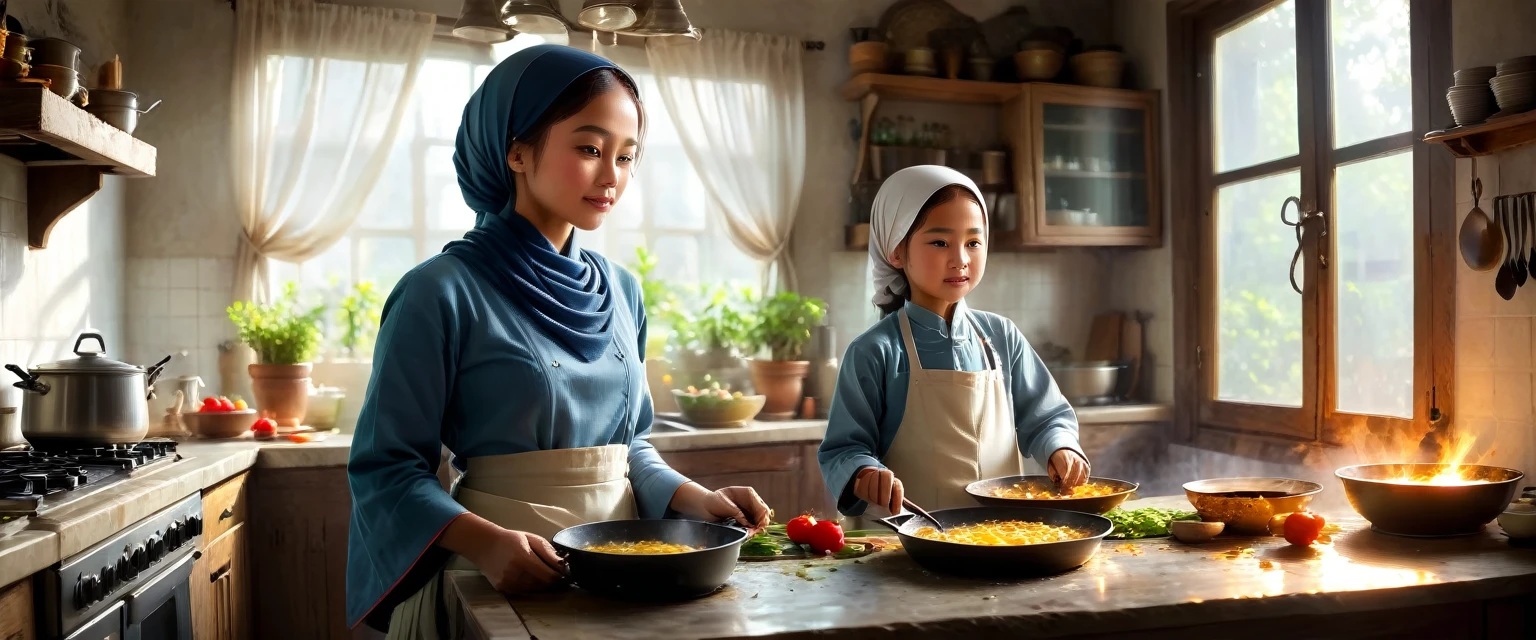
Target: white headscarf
[{"x": 894, "y": 211}]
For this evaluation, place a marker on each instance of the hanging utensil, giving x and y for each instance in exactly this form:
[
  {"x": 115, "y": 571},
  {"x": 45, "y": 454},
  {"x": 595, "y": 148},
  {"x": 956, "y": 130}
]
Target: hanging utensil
[
  {"x": 919, "y": 511},
  {"x": 1518, "y": 252},
  {"x": 1525, "y": 201},
  {"x": 1504, "y": 281},
  {"x": 1482, "y": 241}
]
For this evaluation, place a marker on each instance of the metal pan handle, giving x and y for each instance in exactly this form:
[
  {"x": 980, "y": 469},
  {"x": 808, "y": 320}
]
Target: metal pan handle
[{"x": 895, "y": 522}]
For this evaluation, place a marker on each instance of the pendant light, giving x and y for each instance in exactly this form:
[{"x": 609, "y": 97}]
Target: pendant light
[
  {"x": 538, "y": 17},
  {"x": 607, "y": 15},
  {"x": 481, "y": 22},
  {"x": 663, "y": 18}
]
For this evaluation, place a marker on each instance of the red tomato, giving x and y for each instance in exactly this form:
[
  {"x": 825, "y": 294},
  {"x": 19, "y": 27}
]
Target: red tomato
[
  {"x": 210, "y": 404},
  {"x": 264, "y": 424},
  {"x": 827, "y": 537},
  {"x": 1303, "y": 527},
  {"x": 226, "y": 405},
  {"x": 799, "y": 529}
]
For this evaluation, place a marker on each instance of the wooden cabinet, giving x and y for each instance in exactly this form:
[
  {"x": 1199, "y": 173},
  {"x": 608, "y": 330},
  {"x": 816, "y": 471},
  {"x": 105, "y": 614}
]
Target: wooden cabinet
[
  {"x": 786, "y": 475},
  {"x": 221, "y": 589},
  {"x": 221, "y": 578},
  {"x": 1085, "y": 167},
  {"x": 16, "y": 613},
  {"x": 1084, "y": 159},
  {"x": 298, "y": 533}
]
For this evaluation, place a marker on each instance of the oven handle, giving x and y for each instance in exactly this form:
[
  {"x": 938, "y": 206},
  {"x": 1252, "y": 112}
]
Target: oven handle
[{"x": 146, "y": 599}]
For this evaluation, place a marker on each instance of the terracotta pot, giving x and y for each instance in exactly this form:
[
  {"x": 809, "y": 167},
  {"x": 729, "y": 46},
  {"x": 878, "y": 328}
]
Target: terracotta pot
[
  {"x": 783, "y": 383},
  {"x": 282, "y": 391}
]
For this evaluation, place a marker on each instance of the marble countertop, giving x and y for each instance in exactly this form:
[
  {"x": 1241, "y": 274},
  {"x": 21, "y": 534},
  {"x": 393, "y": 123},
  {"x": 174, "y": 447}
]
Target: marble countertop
[
  {"x": 1129, "y": 586},
  {"x": 65, "y": 532}
]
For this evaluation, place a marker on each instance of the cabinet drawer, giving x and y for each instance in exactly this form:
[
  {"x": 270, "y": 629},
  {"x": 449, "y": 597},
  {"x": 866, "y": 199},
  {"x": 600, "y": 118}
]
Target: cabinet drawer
[
  {"x": 747, "y": 459},
  {"x": 223, "y": 507}
]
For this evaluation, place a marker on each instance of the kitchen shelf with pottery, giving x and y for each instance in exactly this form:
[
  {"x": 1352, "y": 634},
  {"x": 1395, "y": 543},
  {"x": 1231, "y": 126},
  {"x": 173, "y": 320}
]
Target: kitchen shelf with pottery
[
  {"x": 67, "y": 135},
  {"x": 1492, "y": 108}
]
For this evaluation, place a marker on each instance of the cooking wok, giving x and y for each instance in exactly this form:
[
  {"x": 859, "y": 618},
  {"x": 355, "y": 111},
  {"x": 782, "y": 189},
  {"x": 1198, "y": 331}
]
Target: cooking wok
[
  {"x": 661, "y": 577},
  {"x": 1000, "y": 562},
  {"x": 982, "y": 490}
]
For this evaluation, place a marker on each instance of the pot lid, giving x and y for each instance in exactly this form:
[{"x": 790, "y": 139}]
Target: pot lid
[{"x": 89, "y": 361}]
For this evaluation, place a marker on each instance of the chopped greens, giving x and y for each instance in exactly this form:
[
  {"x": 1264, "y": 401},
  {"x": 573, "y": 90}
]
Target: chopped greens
[{"x": 1146, "y": 522}]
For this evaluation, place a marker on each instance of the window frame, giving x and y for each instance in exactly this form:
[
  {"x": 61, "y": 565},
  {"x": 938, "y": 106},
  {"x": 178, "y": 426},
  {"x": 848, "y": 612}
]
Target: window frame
[{"x": 1199, "y": 416}]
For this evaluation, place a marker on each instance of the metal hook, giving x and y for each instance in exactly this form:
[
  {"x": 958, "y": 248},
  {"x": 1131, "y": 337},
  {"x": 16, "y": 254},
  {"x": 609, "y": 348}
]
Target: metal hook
[{"x": 1299, "y": 225}]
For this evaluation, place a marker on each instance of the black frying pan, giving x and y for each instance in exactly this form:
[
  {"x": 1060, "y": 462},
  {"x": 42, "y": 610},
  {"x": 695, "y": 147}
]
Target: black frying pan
[
  {"x": 981, "y": 490},
  {"x": 1000, "y": 562},
  {"x": 673, "y": 576}
]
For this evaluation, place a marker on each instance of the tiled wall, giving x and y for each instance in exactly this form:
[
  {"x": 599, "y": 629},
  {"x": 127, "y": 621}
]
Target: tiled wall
[
  {"x": 177, "y": 306},
  {"x": 47, "y": 297}
]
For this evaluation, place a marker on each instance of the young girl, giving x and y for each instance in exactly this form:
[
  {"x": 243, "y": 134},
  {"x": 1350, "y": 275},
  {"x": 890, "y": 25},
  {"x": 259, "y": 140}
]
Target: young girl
[
  {"x": 519, "y": 351},
  {"x": 936, "y": 396}
]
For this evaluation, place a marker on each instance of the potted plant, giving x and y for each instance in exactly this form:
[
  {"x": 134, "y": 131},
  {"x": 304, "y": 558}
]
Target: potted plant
[
  {"x": 661, "y": 312},
  {"x": 712, "y": 340},
  {"x": 350, "y": 363},
  {"x": 783, "y": 328},
  {"x": 285, "y": 340}
]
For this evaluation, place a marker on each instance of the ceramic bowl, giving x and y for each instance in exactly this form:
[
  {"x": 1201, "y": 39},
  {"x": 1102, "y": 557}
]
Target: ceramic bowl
[
  {"x": 1474, "y": 75},
  {"x": 1194, "y": 532},
  {"x": 708, "y": 411},
  {"x": 1247, "y": 504},
  {"x": 1038, "y": 64},
  {"x": 219, "y": 424},
  {"x": 1099, "y": 68},
  {"x": 1519, "y": 521}
]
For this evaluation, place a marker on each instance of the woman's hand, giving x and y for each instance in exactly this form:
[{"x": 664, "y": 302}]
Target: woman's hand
[
  {"x": 1068, "y": 468},
  {"x": 514, "y": 561},
  {"x": 878, "y": 487},
  {"x": 741, "y": 503}
]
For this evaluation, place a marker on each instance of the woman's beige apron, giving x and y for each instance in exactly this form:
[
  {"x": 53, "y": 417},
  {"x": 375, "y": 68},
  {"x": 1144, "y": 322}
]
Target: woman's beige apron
[
  {"x": 539, "y": 492},
  {"x": 957, "y": 428}
]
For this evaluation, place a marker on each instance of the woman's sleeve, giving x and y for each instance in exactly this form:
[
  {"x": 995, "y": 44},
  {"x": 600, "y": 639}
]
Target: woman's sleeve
[
  {"x": 1044, "y": 420},
  {"x": 853, "y": 426},
  {"x": 653, "y": 479},
  {"x": 399, "y": 507}
]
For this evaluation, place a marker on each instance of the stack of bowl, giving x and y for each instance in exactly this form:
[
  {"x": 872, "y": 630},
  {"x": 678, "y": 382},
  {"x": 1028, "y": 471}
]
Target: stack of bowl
[
  {"x": 1514, "y": 87},
  {"x": 16, "y": 55},
  {"x": 58, "y": 61},
  {"x": 1038, "y": 60},
  {"x": 1471, "y": 101}
]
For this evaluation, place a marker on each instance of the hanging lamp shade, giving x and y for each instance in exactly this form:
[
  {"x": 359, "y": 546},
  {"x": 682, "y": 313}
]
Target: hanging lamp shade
[
  {"x": 663, "y": 18},
  {"x": 538, "y": 17},
  {"x": 608, "y": 15},
  {"x": 480, "y": 21}
]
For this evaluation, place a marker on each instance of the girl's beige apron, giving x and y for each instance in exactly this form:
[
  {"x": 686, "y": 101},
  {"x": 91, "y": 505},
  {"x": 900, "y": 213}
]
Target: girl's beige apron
[
  {"x": 957, "y": 428},
  {"x": 540, "y": 492}
]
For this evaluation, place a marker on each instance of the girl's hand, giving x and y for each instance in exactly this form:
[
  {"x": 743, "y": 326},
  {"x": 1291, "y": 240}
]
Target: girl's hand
[
  {"x": 878, "y": 487},
  {"x": 514, "y": 561},
  {"x": 741, "y": 503},
  {"x": 1068, "y": 468}
]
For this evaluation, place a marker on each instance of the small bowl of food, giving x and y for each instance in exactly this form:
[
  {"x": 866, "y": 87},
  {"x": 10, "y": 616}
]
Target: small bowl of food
[
  {"x": 1247, "y": 504},
  {"x": 1097, "y": 495},
  {"x": 1195, "y": 531},
  {"x": 1519, "y": 521},
  {"x": 219, "y": 424},
  {"x": 717, "y": 407}
]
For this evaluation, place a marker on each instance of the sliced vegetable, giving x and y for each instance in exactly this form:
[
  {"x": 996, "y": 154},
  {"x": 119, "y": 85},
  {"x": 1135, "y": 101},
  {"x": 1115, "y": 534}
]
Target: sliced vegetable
[
  {"x": 1146, "y": 522},
  {"x": 799, "y": 529},
  {"x": 1303, "y": 527},
  {"x": 826, "y": 537}
]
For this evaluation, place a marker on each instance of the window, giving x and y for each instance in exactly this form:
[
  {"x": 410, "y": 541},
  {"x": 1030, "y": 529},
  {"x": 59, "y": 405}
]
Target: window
[
  {"x": 1322, "y": 101},
  {"x": 416, "y": 208}
]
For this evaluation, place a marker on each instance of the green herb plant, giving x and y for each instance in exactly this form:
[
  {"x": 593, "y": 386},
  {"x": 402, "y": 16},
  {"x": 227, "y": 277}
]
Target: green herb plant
[
  {"x": 358, "y": 316},
  {"x": 784, "y": 322},
  {"x": 280, "y": 332},
  {"x": 1146, "y": 522},
  {"x": 720, "y": 324}
]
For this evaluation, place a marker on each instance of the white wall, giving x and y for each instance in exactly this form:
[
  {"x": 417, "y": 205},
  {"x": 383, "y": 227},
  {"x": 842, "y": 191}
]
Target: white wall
[{"x": 48, "y": 296}]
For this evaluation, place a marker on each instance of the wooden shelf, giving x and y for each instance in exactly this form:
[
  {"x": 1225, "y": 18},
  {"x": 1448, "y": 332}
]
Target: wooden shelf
[
  {"x": 894, "y": 87},
  {"x": 66, "y": 151},
  {"x": 1090, "y": 128},
  {"x": 1487, "y": 138}
]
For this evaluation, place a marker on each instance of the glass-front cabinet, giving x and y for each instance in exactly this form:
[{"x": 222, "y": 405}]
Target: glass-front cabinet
[{"x": 1086, "y": 166}]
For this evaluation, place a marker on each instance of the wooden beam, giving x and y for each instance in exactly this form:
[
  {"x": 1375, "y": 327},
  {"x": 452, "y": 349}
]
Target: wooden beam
[{"x": 53, "y": 192}]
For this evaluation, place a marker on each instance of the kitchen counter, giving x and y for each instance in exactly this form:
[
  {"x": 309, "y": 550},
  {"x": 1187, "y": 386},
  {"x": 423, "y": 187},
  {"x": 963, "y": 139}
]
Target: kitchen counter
[
  {"x": 64, "y": 532},
  {"x": 1225, "y": 587}
]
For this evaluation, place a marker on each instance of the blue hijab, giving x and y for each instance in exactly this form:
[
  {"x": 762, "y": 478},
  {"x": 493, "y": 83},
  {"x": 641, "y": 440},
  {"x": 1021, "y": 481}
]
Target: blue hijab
[{"x": 566, "y": 291}]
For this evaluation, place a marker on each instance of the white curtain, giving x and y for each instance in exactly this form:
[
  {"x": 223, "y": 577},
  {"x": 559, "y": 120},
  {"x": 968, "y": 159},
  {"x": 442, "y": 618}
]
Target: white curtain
[
  {"x": 320, "y": 91},
  {"x": 738, "y": 102}
]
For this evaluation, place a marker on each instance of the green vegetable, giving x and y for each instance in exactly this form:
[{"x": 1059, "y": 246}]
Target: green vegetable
[
  {"x": 761, "y": 545},
  {"x": 279, "y": 332},
  {"x": 1146, "y": 522}
]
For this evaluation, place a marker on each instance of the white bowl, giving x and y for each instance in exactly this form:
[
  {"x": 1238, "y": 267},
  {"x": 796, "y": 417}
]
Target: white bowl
[
  {"x": 1519, "y": 521},
  {"x": 1475, "y": 75},
  {"x": 1516, "y": 65},
  {"x": 1195, "y": 531}
]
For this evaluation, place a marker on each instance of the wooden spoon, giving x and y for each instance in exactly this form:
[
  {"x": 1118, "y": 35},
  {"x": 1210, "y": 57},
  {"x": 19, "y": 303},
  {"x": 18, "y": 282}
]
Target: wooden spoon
[
  {"x": 1482, "y": 241},
  {"x": 1504, "y": 282},
  {"x": 1518, "y": 224}
]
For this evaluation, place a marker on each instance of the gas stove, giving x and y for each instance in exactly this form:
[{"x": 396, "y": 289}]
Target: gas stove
[{"x": 33, "y": 481}]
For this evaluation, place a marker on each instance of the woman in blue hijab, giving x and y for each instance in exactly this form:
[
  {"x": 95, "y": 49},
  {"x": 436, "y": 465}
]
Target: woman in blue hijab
[{"x": 519, "y": 351}]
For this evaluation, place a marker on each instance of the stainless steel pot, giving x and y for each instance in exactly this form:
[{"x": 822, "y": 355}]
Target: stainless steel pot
[
  {"x": 117, "y": 108},
  {"x": 1088, "y": 382},
  {"x": 87, "y": 400}
]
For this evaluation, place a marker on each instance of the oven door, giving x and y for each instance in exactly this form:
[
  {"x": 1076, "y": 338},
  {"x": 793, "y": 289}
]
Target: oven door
[{"x": 162, "y": 608}]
